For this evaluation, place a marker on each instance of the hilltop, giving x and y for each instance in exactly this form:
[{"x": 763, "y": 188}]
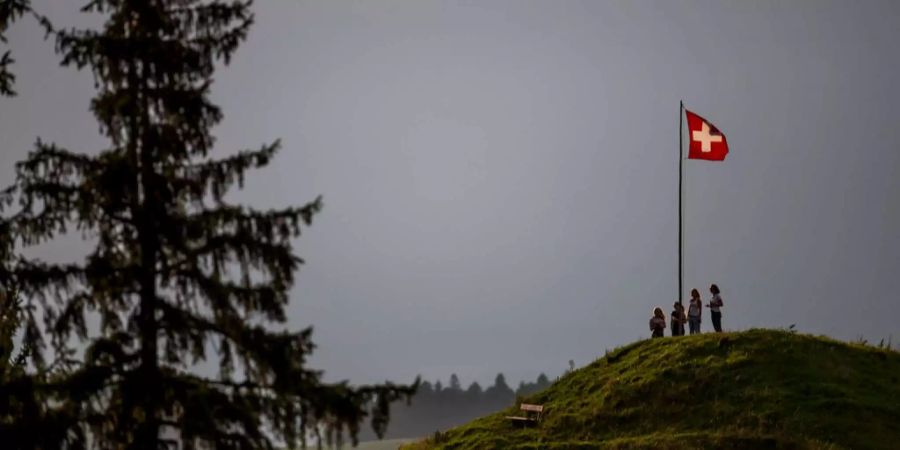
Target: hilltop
[{"x": 746, "y": 390}]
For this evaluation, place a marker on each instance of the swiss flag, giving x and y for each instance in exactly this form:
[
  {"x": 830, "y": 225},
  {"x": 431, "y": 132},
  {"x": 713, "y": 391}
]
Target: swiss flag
[{"x": 706, "y": 141}]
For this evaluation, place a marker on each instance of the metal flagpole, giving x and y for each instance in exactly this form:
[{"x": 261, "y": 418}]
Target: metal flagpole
[{"x": 680, "y": 202}]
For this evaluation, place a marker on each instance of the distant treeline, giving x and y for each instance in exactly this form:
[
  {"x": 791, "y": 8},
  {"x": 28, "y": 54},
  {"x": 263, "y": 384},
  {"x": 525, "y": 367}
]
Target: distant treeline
[{"x": 438, "y": 407}]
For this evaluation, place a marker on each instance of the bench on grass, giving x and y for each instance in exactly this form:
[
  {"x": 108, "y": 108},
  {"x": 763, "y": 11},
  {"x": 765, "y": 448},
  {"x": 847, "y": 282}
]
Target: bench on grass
[{"x": 532, "y": 415}]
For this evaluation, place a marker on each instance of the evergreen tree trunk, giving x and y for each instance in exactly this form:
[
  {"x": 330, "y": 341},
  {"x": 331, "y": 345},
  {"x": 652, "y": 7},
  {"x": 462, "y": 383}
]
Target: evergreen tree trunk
[{"x": 147, "y": 236}]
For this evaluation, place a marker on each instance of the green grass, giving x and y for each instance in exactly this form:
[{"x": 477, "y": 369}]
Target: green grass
[{"x": 748, "y": 390}]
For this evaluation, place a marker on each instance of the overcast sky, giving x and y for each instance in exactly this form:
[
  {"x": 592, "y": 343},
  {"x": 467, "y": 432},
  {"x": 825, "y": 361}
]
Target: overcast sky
[{"x": 500, "y": 177}]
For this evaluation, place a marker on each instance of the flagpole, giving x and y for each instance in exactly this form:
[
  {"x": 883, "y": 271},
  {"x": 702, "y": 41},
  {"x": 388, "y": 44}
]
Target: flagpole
[{"x": 680, "y": 202}]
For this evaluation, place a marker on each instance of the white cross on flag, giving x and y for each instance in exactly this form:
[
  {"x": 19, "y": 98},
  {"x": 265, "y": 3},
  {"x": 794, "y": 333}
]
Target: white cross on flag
[{"x": 706, "y": 141}]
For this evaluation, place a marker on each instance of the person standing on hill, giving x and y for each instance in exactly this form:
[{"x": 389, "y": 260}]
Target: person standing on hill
[
  {"x": 695, "y": 311},
  {"x": 715, "y": 307},
  {"x": 658, "y": 322},
  {"x": 678, "y": 319}
]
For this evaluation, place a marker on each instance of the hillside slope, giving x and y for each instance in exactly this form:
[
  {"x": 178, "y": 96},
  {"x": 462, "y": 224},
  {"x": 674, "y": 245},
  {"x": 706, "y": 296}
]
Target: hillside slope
[{"x": 747, "y": 390}]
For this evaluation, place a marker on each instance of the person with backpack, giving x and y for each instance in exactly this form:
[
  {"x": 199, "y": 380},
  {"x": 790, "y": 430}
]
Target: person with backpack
[
  {"x": 678, "y": 319},
  {"x": 695, "y": 311},
  {"x": 658, "y": 322},
  {"x": 715, "y": 307}
]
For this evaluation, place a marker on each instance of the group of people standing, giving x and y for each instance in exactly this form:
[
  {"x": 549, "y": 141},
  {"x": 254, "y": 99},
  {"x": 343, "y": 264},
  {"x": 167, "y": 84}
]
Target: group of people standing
[{"x": 692, "y": 316}]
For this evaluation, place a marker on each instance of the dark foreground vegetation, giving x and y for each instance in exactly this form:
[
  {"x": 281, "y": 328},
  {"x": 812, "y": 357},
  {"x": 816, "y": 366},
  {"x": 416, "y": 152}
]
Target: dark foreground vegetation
[
  {"x": 176, "y": 273},
  {"x": 750, "y": 390}
]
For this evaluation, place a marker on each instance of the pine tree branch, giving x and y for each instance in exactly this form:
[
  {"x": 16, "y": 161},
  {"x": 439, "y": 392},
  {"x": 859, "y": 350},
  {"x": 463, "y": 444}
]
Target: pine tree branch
[
  {"x": 35, "y": 278},
  {"x": 10, "y": 11},
  {"x": 220, "y": 174},
  {"x": 266, "y": 299}
]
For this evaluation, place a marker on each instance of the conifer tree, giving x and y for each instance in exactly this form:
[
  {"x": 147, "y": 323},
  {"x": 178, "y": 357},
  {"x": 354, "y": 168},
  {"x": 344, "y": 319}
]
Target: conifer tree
[
  {"x": 455, "y": 385},
  {"x": 500, "y": 383},
  {"x": 177, "y": 274},
  {"x": 500, "y": 394},
  {"x": 424, "y": 390}
]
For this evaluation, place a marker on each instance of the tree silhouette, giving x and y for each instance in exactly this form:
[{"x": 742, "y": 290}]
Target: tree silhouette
[
  {"x": 530, "y": 388},
  {"x": 500, "y": 383},
  {"x": 175, "y": 270},
  {"x": 454, "y": 383},
  {"x": 424, "y": 390},
  {"x": 499, "y": 395}
]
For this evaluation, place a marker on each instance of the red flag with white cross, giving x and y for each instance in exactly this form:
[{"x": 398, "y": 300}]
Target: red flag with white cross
[{"x": 706, "y": 141}]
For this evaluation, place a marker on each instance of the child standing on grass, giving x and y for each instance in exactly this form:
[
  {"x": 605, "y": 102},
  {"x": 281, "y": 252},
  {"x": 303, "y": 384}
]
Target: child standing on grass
[
  {"x": 715, "y": 307},
  {"x": 658, "y": 322},
  {"x": 695, "y": 310},
  {"x": 678, "y": 319}
]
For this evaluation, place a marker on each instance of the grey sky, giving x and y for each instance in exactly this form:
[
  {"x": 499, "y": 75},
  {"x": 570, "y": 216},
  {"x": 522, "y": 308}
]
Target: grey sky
[{"x": 500, "y": 177}]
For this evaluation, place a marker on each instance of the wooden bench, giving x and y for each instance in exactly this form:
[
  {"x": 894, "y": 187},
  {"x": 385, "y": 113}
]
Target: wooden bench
[{"x": 532, "y": 415}]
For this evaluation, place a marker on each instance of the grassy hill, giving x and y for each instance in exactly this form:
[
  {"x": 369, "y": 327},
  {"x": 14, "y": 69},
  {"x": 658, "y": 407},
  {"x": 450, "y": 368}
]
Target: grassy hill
[{"x": 747, "y": 390}]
